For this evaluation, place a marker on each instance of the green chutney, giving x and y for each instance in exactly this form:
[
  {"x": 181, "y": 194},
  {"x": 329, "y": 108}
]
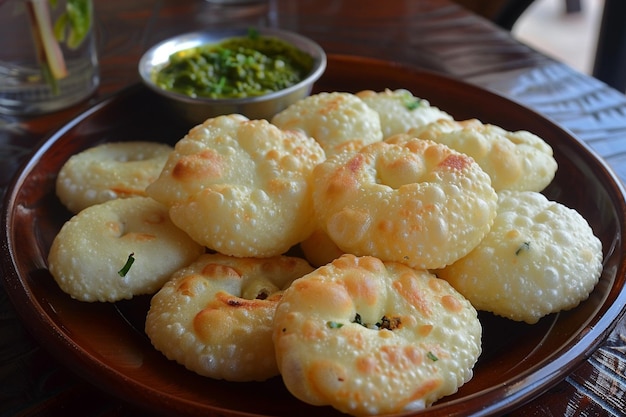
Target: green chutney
[{"x": 237, "y": 67}]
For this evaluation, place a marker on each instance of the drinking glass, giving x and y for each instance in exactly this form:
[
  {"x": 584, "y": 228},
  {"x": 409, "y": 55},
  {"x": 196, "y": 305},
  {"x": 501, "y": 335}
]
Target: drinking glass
[{"x": 48, "y": 58}]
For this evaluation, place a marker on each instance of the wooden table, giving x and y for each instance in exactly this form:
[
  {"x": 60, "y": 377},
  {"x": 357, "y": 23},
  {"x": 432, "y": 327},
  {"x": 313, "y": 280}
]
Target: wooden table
[{"x": 432, "y": 34}]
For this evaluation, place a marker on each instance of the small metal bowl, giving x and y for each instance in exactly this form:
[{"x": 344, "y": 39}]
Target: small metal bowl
[{"x": 197, "y": 110}]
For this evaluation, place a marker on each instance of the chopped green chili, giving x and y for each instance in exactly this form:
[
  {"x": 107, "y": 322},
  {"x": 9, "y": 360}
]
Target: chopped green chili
[
  {"x": 524, "y": 246},
  {"x": 129, "y": 262}
]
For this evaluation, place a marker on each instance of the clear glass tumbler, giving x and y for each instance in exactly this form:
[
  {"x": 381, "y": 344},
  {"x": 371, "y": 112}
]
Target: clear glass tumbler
[{"x": 48, "y": 58}]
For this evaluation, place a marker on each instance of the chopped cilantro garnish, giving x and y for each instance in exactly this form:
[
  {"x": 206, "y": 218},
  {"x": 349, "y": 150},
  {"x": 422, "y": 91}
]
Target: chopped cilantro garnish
[
  {"x": 410, "y": 102},
  {"x": 334, "y": 325},
  {"x": 412, "y": 105},
  {"x": 253, "y": 33},
  {"x": 524, "y": 246},
  {"x": 432, "y": 357},
  {"x": 129, "y": 262}
]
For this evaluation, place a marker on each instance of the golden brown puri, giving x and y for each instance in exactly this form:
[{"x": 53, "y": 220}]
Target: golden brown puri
[
  {"x": 539, "y": 257},
  {"x": 108, "y": 171},
  {"x": 215, "y": 316},
  {"x": 370, "y": 337},
  {"x": 419, "y": 202},
  {"x": 399, "y": 110},
  {"x": 241, "y": 187},
  {"x": 92, "y": 248},
  {"x": 338, "y": 121},
  {"x": 517, "y": 160}
]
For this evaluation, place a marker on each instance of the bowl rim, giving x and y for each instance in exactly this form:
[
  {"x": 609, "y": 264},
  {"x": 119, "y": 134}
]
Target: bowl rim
[{"x": 196, "y": 38}]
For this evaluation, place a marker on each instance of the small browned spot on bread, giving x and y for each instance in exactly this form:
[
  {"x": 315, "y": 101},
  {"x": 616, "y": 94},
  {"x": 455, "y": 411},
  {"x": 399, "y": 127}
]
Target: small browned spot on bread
[
  {"x": 413, "y": 354},
  {"x": 451, "y": 304},
  {"x": 332, "y": 105},
  {"x": 339, "y": 184},
  {"x": 211, "y": 324},
  {"x": 386, "y": 226},
  {"x": 425, "y": 329},
  {"x": 456, "y": 161},
  {"x": 366, "y": 290},
  {"x": 187, "y": 286},
  {"x": 238, "y": 302},
  {"x": 220, "y": 271},
  {"x": 367, "y": 365},
  {"x": 405, "y": 287},
  {"x": 272, "y": 155},
  {"x": 312, "y": 331},
  {"x": 203, "y": 165},
  {"x": 139, "y": 237},
  {"x": 423, "y": 390},
  {"x": 127, "y": 191}
]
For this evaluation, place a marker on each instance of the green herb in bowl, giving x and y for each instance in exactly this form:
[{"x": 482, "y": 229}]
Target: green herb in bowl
[{"x": 238, "y": 67}]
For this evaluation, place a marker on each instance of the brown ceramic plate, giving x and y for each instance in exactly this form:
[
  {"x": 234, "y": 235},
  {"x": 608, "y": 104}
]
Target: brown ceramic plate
[{"x": 105, "y": 343}]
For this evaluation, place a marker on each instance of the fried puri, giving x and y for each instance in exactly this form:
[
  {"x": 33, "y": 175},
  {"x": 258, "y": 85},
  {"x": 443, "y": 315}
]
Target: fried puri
[
  {"x": 515, "y": 160},
  {"x": 89, "y": 257},
  {"x": 215, "y": 316},
  {"x": 108, "y": 171},
  {"x": 338, "y": 121},
  {"x": 540, "y": 257},
  {"x": 241, "y": 187},
  {"x": 419, "y": 203},
  {"x": 400, "y": 110},
  {"x": 368, "y": 337}
]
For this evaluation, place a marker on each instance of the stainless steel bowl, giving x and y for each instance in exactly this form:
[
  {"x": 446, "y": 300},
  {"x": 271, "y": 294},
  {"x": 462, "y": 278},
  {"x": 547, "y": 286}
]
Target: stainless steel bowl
[{"x": 196, "y": 110}]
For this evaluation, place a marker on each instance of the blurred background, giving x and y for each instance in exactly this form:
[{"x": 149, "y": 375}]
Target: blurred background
[{"x": 568, "y": 37}]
